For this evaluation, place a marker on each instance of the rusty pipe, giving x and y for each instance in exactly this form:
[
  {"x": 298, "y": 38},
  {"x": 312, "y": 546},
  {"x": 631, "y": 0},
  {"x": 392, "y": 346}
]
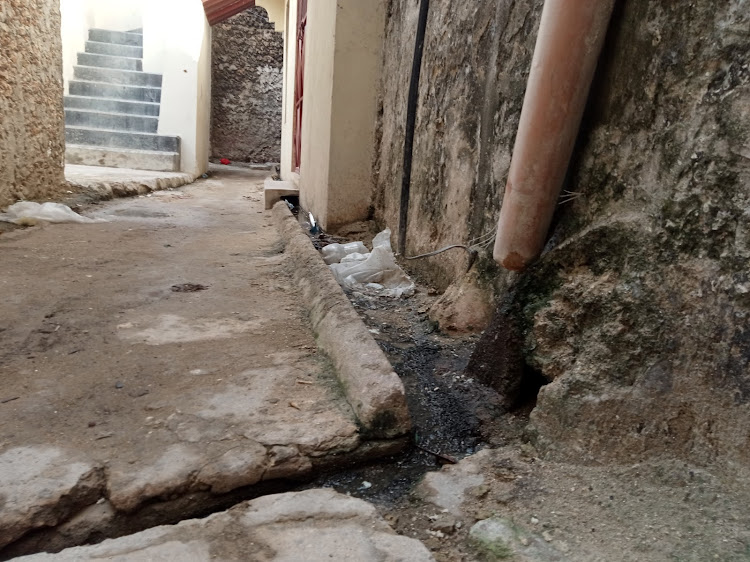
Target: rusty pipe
[{"x": 570, "y": 40}]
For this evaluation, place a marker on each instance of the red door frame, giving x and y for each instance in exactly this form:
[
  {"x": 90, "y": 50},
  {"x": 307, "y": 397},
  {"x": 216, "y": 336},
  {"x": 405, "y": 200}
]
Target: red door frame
[{"x": 299, "y": 78}]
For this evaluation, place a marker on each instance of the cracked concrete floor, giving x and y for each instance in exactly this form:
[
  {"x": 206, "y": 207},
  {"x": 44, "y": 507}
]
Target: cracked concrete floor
[{"x": 123, "y": 386}]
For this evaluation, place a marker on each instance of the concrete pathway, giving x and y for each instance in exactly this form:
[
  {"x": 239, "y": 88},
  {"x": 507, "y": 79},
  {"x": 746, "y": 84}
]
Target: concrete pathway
[{"x": 154, "y": 365}]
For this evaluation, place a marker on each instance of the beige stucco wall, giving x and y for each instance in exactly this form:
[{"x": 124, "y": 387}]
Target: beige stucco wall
[
  {"x": 177, "y": 45},
  {"x": 343, "y": 58},
  {"x": 203, "y": 103},
  {"x": 360, "y": 27},
  {"x": 31, "y": 90},
  {"x": 287, "y": 117},
  {"x": 320, "y": 49},
  {"x": 78, "y": 16},
  {"x": 276, "y": 10}
]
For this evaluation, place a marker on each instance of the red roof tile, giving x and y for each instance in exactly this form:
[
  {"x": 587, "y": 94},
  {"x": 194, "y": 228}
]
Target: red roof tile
[{"x": 219, "y": 10}]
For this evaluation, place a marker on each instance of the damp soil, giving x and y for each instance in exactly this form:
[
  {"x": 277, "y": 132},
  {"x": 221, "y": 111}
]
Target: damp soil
[{"x": 453, "y": 415}]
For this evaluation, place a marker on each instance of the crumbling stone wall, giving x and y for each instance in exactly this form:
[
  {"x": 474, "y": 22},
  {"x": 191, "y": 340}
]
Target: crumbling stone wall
[
  {"x": 246, "y": 88},
  {"x": 639, "y": 311},
  {"x": 32, "y": 148}
]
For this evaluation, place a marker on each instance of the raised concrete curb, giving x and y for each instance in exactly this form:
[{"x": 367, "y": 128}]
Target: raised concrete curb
[
  {"x": 314, "y": 525},
  {"x": 100, "y": 184},
  {"x": 273, "y": 191},
  {"x": 372, "y": 388}
]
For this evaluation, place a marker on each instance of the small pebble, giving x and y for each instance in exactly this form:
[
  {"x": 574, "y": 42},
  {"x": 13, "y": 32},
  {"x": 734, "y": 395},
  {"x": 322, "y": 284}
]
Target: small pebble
[
  {"x": 445, "y": 524},
  {"x": 92, "y": 423},
  {"x": 118, "y": 384}
]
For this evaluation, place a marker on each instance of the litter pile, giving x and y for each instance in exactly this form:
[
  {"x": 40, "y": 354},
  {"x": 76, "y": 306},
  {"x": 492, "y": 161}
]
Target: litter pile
[
  {"x": 28, "y": 213},
  {"x": 375, "y": 272}
]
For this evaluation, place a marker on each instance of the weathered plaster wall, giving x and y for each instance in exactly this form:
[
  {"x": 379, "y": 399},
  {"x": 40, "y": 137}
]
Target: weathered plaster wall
[
  {"x": 247, "y": 88},
  {"x": 31, "y": 90},
  {"x": 639, "y": 311}
]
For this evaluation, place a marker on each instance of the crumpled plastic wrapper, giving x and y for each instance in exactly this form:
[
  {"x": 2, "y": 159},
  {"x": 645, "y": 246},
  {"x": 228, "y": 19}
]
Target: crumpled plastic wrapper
[{"x": 376, "y": 272}]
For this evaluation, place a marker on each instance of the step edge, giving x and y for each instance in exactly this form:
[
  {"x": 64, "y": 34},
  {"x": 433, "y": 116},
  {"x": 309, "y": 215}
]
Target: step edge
[
  {"x": 121, "y": 32},
  {"x": 118, "y": 44},
  {"x": 153, "y": 103},
  {"x": 99, "y": 129},
  {"x": 76, "y": 80},
  {"x": 109, "y": 56},
  {"x": 116, "y": 149},
  {"x": 115, "y": 113},
  {"x": 137, "y": 72}
]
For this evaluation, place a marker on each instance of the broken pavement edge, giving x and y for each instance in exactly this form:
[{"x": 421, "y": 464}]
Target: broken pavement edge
[{"x": 374, "y": 391}]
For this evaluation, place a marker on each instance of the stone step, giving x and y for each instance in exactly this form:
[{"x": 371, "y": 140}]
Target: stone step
[
  {"x": 116, "y": 37},
  {"x": 117, "y": 91},
  {"x": 116, "y": 76},
  {"x": 109, "y": 138},
  {"x": 115, "y": 121},
  {"x": 112, "y": 105},
  {"x": 108, "y": 61},
  {"x": 99, "y": 48},
  {"x": 122, "y": 158}
]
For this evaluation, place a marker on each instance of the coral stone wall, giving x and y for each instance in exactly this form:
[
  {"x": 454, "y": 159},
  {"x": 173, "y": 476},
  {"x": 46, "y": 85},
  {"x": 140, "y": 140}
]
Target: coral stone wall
[
  {"x": 639, "y": 311},
  {"x": 32, "y": 148},
  {"x": 246, "y": 88},
  {"x": 474, "y": 72}
]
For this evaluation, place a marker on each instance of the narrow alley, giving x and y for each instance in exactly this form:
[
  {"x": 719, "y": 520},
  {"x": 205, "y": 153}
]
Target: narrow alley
[{"x": 374, "y": 280}]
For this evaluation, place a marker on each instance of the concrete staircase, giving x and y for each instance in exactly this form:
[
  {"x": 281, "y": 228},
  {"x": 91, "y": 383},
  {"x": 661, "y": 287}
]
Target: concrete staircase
[{"x": 112, "y": 112}]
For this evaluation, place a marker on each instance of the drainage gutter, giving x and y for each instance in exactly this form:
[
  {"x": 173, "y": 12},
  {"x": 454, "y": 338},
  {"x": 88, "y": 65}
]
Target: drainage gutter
[{"x": 571, "y": 37}]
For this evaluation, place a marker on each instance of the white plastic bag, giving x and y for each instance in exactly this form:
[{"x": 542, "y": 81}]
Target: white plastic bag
[
  {"x": 355, "y": 257},
  {"x": 334, "y": 253},
  {"x": 378, "y": 273},
  {"x": 383, "y": 239},
  {"x": 29, "y": 213}
]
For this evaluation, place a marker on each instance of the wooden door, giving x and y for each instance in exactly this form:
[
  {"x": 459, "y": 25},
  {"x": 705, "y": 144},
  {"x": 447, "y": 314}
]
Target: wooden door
[{"x": 299, "y": 77}]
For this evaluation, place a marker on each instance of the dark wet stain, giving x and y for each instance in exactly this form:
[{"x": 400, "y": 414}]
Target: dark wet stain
[{"x": 188, "y": 288}]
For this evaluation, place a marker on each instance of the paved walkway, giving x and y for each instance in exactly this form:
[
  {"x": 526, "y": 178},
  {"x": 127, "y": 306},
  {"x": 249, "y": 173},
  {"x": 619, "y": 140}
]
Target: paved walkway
[{"x": 152, "y": 364}]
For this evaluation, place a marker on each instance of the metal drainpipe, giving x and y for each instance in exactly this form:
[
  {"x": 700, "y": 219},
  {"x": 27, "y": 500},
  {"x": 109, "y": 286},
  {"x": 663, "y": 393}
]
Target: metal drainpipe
[
  {"x": 411, "y": 118},
  {"x": 571, "y": 37}
]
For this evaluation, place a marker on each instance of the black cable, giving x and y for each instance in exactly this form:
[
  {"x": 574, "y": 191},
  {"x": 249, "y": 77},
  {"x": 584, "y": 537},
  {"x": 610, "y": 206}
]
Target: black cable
[
  {"x": 473, "y": 254},
  {"x": 411, "y": 118}
]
